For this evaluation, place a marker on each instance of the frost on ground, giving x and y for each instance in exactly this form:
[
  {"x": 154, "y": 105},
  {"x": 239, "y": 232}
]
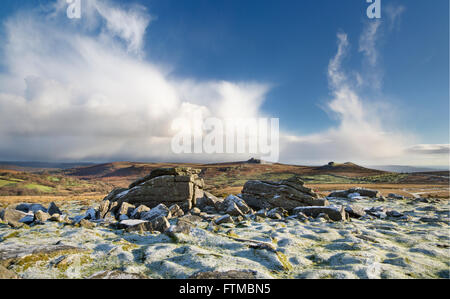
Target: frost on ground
[{"x": 415, "y": 246}]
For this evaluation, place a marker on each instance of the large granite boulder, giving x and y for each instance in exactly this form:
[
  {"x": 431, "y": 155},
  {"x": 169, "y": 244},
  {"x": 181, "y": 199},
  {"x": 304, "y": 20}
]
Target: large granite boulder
[
  {"x": 287, "y": 194},
  {"x": 169, "y": 186}
]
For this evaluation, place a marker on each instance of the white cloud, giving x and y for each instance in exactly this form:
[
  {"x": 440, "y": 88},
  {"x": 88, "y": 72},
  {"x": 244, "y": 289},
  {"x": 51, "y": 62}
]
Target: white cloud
[{"x": 82, "y": 91}]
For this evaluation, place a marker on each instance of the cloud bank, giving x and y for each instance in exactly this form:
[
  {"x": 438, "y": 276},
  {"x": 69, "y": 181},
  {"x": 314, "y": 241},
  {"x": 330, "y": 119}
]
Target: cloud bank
[{"x": 84, "y": 91}]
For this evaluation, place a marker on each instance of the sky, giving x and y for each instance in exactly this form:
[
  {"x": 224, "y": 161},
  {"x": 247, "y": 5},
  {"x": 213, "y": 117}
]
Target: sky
[{"x": 107, "y": 87}]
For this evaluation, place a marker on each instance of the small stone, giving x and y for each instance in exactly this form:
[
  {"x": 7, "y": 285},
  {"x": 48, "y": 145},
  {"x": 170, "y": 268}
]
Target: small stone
[
  {"x": 103, "y": 209},
  {"x": 86, "y": 224},
  {"x": 125, "y": 209},
  {"x": 159, "y": 210},
  {"x": 176, "y": 211},
  {"x": 224, "y": 219},
  {"x": 137, "y": 213},
  {"x": 355, "y": 211},
  {"x": 262, "y": 213},
  {"x": 53, "y": 209},
  {"x": 195, "y": 211},
  {"x": 8, "y": 215},
  {"x": 394, "y": 213},
  {"x": 41, "y": 216}
]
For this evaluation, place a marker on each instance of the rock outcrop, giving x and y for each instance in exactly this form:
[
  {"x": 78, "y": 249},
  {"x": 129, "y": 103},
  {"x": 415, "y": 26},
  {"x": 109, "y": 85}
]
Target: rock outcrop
[
  {"x": 287, "y": 194},
  {"x": 181, "y": 186}
]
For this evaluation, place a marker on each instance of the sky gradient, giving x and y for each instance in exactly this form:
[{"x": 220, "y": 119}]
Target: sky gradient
[{"x": 345, "y": 88}]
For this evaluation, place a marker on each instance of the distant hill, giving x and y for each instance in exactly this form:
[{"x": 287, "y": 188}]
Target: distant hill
[
  {"x": 38, "y": 166},
  {"x": 407, "y": 169}
]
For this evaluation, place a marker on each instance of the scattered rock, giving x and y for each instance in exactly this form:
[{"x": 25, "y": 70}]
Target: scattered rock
[
  {"x": 41, "y": 216},
  {"x": 137, "y": 213},
  {"x": 361, "y": 192},
  {"x": 160, "y": 210},
  {"x": 90, "y": 214},
  {"x": 125, "y": 209},
  {"x": 394, "y": 214},
  {"x": 230, "y": 207},
  {"x": 176, "y": 211},
  {"x": 37, "y": 207},
  {"x": 224, "y": 219},
  {"x": 208, "y": 201},
  {"x": 277, "y": 213},
  {"x": 195, "y": 211},
  {"x": 103, "y": 209},
  {"x": 12, "y": 215},
  {"x": 287, "y": 194},
  {"x": 87, "y": 224},
  {"x": 355, "y": 211},
  {"x": 53, "y": 209},
  {"x": 396, "y": 196},
  {"x": 334, "y": 213}
]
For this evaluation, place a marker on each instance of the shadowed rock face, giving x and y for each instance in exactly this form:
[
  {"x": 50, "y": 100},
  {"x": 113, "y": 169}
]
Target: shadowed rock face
[
  {"x": 287, "y": 194},
  {"x": 169, "y": 186}
]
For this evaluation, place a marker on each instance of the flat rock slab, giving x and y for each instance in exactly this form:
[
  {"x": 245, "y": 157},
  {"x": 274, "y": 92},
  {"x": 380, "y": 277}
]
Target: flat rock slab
[
  {"x": 10, "y": 253},
  {"x": 233, "y": 274}
]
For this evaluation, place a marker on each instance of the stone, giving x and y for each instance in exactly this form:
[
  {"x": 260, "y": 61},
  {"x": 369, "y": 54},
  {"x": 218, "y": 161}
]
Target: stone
[
  {"x": 169, "y": 186},
  {"x": 224, "y": 219},
  {"x": 125, "y": 224},
  {"x": 277, "y": 213},
  {"x": 361, "y": 191},
  {"x": 334, "y": 213},
  {"x": 125, "y": 209},
  {"x": 195, "y": 211},
  {"x": 41, "y": 216},
  {"x": 160, "y": 210},
  {"x": 160, "y": 224},
  {"x": 394, "y": 214},
  {"x": 176, "y": 211},
  {"x": 7, "y": 274},
  {"x": 137, "y": 213},
  {"x": 37, "y": 207},
  {"x": 287, "y": 194},
  {"x": 261, "y": 213},
  {"x": 355, "y": 211},
  {"x": 87, "y": 224},
  {"x": 233, "y": 274},
  {"x": 396, "y": 196},
  {"x": 12, "y": 215},
  {"x": 182, "y": 227},
  {"x": 240, "y": 203},
  {"x": 53, "y": 209},
  {"x": 123, "y": 217},
  {"x": 116, "y": 274},
  {"x": 208, "y": 200},
  {"x": 103, "y": 209},
  {"x": 24, "y": 207},
  {"x": 231, "y": 208},
  {"x": 56, "y": 218},
  {"x": 302, "y": 217},
  {"x": 90, "y": 214}
]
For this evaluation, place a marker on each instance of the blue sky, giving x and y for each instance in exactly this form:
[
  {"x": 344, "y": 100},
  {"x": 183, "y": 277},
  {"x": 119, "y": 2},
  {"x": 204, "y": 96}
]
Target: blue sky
[{"x": 282, "y": 47}]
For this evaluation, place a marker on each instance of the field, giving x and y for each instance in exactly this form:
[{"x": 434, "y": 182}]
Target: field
[{"x": 95, "y": 181}]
